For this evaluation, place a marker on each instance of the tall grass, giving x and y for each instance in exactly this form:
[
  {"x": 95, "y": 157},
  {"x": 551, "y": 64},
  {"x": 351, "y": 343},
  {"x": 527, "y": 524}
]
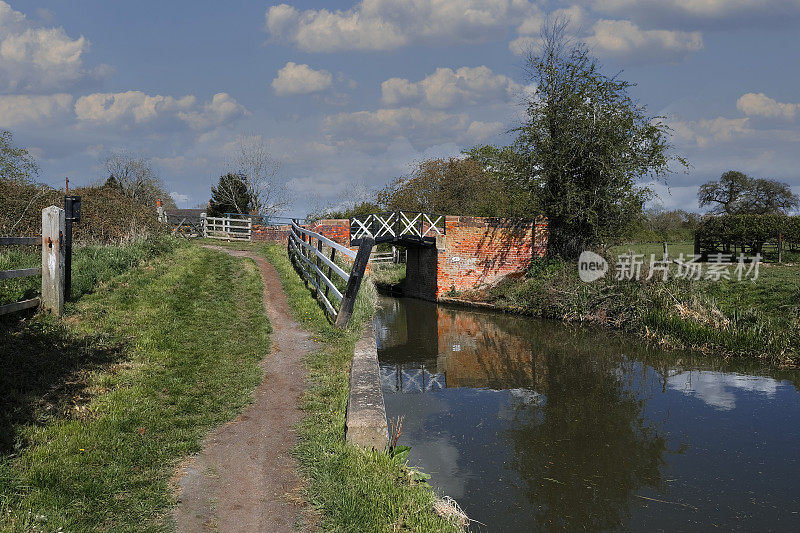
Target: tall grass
[
  {"x": 92, "y": 265},
  {"x": 724, "y": 318}
]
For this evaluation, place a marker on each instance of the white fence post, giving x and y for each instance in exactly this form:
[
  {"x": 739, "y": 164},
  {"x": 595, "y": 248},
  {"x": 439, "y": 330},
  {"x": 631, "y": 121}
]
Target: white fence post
[{"x": 53, "y": 223}]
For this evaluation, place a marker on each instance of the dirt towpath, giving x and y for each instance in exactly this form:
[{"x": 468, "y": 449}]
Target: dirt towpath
[{"x": 245, "y": 479}]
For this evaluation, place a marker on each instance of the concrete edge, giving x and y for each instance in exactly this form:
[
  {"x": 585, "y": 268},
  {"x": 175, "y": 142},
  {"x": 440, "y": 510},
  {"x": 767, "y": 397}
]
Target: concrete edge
[{"x": 365, "y": 423}]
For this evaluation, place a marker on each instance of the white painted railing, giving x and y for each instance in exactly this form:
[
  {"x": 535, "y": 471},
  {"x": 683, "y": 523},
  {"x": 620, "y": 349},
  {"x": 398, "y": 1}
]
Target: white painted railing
[{"x": 230, "y": 229}]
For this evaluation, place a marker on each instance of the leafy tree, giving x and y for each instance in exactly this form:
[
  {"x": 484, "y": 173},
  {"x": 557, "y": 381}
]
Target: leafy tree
[
  {"x": 770, "y": 197},
  {"x": 508, "y": 166},
  {"x": 16, "y": 164},
  {"x": 363, "y": 208},
  {"x": 724, "y": 195},
  {"x": 451, "y": 186},
  {"x": 586, "y": 143},
  {"x": 231, "y": 195},
  {"x": 736, "y": 193}
]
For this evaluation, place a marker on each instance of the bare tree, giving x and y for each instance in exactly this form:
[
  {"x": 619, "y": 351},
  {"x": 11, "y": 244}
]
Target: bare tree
[
  {"x": 134, "y": 175},
  {"x": 260, "y": 172}
]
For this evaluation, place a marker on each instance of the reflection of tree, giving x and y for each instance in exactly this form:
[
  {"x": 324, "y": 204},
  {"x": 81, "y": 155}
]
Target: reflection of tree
[{"x": 587, "y": 448}]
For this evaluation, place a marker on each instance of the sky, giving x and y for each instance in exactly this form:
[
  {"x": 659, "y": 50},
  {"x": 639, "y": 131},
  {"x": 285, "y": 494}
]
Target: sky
[{"x": 349, "y": 95}]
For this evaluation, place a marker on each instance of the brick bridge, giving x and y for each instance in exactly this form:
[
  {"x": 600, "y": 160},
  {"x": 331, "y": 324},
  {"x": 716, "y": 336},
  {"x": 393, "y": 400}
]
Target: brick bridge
[{"x": 444, "y": 252}]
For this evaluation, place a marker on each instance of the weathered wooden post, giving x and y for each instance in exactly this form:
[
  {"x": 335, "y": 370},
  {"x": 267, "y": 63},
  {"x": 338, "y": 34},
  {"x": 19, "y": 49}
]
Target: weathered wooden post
[
  {"x": 53, "y": 223},
  {"x": 354, "y": 283}
]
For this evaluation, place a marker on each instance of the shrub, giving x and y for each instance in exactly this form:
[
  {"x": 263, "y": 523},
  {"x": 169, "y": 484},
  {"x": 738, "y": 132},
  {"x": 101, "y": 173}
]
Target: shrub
[{"x": 107, "y": 215}]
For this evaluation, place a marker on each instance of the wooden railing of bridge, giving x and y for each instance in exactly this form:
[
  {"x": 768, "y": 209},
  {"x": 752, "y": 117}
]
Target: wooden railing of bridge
[
  {"x": 397, "y": 226},
  {"x": 313, "y": 254}
]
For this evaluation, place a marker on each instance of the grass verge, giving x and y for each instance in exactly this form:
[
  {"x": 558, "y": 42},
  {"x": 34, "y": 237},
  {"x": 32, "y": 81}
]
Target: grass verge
[
  {"x": 728, "y": 318},
  {"x": 355, "y": 489},
  {"x": 101, "y": 407},
  {"x": 92, "y": 265}
]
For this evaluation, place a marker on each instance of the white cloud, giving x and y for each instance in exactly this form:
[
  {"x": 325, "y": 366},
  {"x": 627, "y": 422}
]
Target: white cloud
[
  {"x": 390, "y": 24},
  {"x": 717, "y": 130},
  {"x": 623, "y": 38},
  {"x": 699, "y": 8},
  {"x": 697, "y": 14},
  {"x": 761, "y": 105},
  {"x": 482, "y": 131},
  {"x": 371, "y": 129},
  {"x": 18, "y": 109},
  {"x": 180, "y": 198},
  {"x": 135, "y": 108},
  {"x": 446, "y": 88},
  {"x": 300, "y": 79},
  {"x": 395, "y": 91},
  {"x": 222, "y": 109},
  {"x": 38, "y": 59}
]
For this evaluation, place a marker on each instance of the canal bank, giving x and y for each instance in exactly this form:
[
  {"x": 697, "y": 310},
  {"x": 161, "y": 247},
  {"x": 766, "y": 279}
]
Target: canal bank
[
  {"x": 532, "y": 424},
  {"x": 725, "y": 318}
]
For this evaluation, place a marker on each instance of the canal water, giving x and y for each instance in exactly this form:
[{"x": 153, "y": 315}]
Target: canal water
[{"x": 533, "y": 425}]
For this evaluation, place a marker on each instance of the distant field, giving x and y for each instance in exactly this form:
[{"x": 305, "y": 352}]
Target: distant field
[{"x": 655, "y": 248}]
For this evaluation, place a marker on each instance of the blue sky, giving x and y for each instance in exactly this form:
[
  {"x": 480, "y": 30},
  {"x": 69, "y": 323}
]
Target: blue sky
[{"x": 349, "y": 95}]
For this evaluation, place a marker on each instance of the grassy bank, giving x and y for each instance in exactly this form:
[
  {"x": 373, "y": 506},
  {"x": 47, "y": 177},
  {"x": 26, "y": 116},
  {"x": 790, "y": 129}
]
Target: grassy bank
[
  {"x": 99, "y": 408},
  {"x": 355, "y": 490},
  {"x": 92, "y": 265},
  {"x": 728, "y": 317}
]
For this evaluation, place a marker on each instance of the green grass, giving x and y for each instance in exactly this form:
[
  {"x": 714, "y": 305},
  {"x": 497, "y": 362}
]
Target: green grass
[
  {"x": 654, "y": 248},
  {"x": 91, "y": 265},
  {"x": 355, "y": 489},
  {"x": 388, "y": 273},
  {"x": 102, "y": 406}
]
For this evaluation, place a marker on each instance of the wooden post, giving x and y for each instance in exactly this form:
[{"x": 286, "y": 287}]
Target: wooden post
[
  {"x": 356, "y": 276},
  {"x": 696, "y": 244},
  {"x": 53, "y": 222},
  {"x": 780, "y": 247},
  {"x": 666, "y": 252}
]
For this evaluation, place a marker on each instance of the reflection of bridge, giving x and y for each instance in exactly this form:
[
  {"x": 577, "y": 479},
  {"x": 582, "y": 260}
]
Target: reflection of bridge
[
  {"x": 399, "y": 227},
  {"x": 410, "y": 378}
]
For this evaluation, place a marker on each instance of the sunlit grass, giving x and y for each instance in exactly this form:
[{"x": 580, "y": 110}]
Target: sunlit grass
[{"x": 179, "y": 365}]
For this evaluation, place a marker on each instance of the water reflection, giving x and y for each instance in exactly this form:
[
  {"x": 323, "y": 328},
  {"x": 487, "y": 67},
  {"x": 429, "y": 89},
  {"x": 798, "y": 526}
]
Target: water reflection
[{"x": 537, "y": 426}]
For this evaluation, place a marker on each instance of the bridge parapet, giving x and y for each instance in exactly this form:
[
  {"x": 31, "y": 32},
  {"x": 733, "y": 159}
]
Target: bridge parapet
[{"x": 398, "y": 227}]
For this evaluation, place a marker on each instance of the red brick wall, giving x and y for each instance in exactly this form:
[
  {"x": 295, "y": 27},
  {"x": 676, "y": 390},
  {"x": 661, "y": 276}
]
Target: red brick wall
[
  {"x": 261, "y": 233},
  {"x": 479, "y": 251},
  {"x": 336, "y": 230}
]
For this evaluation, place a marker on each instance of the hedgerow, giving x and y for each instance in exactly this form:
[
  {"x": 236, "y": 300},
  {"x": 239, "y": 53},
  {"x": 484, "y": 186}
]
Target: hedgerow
[{"x": 747, "y": 232}]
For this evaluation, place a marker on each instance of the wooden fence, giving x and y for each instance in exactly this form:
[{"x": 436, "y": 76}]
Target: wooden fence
[
  {"x": 394, "y": 256},
  {"x": 52, "y": 269},
  {"x": 229, "y": 229},
  {"x": 312, "y": 254}
]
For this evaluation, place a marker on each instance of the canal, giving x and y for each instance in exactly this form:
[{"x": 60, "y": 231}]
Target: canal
[{"x": 534, "y": 425}]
